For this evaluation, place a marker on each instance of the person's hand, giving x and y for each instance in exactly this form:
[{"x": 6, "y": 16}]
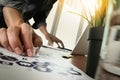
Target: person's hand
[
  {"x": 4, "y": 39},
  {"x": 19, "y": 35},
  {"x": 51, "y": 39},
  {"x": 37, "y": 41},
  {"x": 15, "y": 38}
]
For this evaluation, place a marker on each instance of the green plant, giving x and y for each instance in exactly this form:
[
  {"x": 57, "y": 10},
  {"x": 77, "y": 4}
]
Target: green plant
[{"x": 99, "y": 12}]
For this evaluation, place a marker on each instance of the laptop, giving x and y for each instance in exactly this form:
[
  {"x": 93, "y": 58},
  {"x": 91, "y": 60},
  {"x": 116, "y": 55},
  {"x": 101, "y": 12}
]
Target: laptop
[{"x": 81, "y": 47}]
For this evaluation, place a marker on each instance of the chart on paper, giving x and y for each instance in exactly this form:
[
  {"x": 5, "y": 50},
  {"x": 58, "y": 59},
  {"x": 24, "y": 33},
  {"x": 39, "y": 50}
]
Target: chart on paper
[{"x": 16, "y": 67}]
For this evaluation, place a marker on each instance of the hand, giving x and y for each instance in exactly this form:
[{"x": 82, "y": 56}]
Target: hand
[
  {"x": 4, "y": 39},
  {"x": 14, "y": 38},
  {"x": 19, "y": 35},
  {"x": 51, "y": 38},
  {"x": 37, "y": 41}
]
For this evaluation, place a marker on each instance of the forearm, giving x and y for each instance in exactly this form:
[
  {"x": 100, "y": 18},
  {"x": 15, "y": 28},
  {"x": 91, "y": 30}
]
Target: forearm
[{"x": 43, "y": 30}]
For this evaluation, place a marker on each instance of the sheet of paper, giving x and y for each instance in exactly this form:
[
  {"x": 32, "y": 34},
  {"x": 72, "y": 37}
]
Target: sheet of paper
[{"x": 43, "y": 67}]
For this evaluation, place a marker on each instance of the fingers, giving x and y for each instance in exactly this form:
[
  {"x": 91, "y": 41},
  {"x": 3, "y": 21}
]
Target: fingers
[
  {"x": 26, "y": 34},
  {"x": 4, "y": 40},
  {"x": 37, "y": 41},
  {"x": 61, "y": 45},
  {"x": 14, "y": 39},
  {"x": 51, "y": 38}
]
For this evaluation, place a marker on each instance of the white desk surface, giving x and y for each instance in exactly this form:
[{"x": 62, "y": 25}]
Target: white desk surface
[{"x": 48, "y": 66}]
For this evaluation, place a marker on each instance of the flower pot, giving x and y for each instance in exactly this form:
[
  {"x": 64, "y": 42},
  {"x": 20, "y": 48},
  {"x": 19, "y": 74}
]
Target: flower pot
[{"x": 95, "y": 40}]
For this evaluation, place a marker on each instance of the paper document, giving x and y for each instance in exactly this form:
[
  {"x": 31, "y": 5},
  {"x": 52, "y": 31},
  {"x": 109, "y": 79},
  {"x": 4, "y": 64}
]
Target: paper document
[{"x": 15, "y": 67}]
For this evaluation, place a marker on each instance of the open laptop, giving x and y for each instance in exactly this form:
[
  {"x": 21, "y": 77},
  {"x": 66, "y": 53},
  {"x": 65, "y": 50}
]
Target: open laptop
[{"x": 81, "y": 47}]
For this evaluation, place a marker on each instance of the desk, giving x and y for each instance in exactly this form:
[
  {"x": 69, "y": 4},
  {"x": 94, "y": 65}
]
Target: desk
[
  {"x": 79, "y": 61},
  {"x": 50, "y": 65}
]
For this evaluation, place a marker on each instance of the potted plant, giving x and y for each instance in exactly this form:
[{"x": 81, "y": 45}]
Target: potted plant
[
  {"x": 95, "y": 37},
  {"x": 95, "y": 19}
]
